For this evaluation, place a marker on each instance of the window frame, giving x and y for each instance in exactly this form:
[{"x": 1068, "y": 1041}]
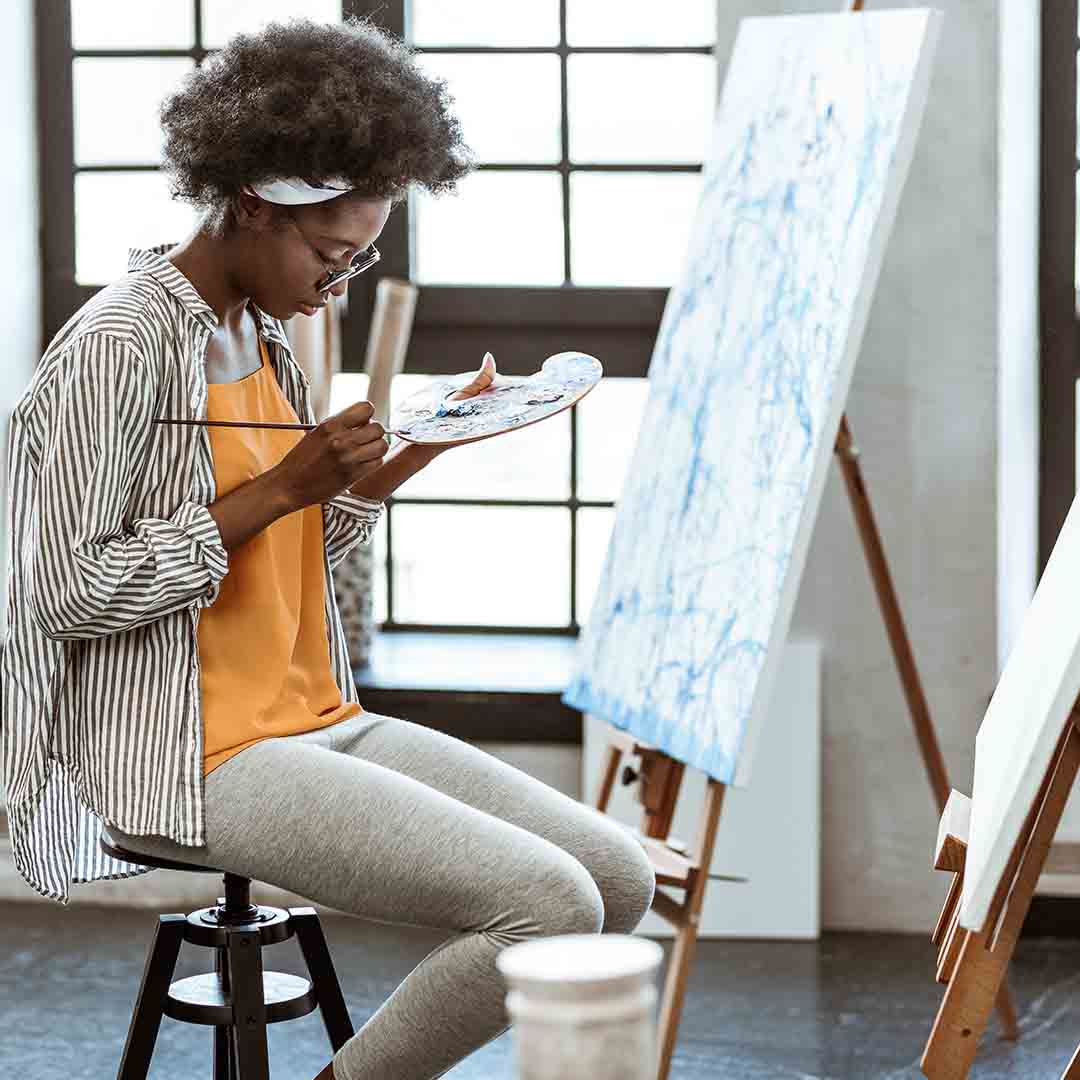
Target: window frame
[{"x": 453, "y": 325}]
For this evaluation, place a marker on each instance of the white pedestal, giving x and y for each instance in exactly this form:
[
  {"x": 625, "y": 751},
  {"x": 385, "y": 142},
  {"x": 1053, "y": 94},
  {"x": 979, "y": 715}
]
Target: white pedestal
[{"x": 770, "y": 831}]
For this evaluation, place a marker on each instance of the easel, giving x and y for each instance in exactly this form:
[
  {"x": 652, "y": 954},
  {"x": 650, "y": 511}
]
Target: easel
[
  {"x": 660, "y": 777},
  {"x": 973, "y": 964}
]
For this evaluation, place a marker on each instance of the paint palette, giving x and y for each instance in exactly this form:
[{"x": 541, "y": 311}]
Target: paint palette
[{"x": 511, "y": 402}]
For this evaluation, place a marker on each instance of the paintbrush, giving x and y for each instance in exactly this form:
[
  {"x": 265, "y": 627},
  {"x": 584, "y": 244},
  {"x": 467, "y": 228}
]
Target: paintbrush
[{"x": 438, "y": 411}]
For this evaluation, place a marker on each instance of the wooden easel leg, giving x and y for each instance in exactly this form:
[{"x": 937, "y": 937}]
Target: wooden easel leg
[
  {"x": 682, "y": 957},
  {"x": 904, "y": 657},
  {"x": 1072, "y": 1070},
  {"x": 686, "y": 935},
  {"x": 1010, "y": 1027},
  {"x": 612, "y": 757},
  {"x": 979, "y": 972},
  {"x": 894, "y": 621}
]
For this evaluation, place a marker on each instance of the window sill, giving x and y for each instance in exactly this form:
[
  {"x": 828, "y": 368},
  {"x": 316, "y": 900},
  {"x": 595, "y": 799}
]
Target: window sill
[{"x": 479, "y": 687}]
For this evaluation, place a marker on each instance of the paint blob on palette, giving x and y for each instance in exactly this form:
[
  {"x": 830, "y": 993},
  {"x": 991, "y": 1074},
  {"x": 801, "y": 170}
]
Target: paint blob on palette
[{"x": 511, "y": 402}]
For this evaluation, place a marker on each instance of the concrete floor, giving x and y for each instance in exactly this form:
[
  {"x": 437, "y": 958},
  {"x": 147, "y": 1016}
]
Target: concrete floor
[{"x": 851, "y": 1006}]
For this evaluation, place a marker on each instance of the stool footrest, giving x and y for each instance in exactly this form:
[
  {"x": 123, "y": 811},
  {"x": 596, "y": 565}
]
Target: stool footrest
[{"x": 201, "y": 999}]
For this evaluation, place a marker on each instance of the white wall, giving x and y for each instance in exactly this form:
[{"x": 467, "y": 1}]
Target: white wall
[
  {"x": 1018, "y": 316},
  {"x": 924, "y": 411},
  {"x": 20, "y": 266}
]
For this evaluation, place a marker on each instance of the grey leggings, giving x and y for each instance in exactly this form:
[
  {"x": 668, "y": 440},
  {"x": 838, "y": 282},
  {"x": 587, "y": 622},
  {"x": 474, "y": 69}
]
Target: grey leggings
[{"x": 391, "y": 821}]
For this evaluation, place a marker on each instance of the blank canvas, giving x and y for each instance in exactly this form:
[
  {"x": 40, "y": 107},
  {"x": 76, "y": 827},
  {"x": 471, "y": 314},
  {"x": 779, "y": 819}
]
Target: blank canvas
[
  {"x": 811, "y": 143},
  {"x": 1027, "y": 715}
]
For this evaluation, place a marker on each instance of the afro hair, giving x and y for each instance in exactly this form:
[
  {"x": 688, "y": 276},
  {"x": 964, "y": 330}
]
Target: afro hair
[{"x": 311, "y": 100}]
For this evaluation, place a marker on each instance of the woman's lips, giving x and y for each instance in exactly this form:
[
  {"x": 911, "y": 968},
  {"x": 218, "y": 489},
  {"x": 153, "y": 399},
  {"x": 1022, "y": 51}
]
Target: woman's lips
[{"x": 308, "y": 309}]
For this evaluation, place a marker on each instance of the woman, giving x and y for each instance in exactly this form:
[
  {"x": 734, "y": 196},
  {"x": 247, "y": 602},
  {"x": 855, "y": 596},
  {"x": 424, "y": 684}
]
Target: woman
[{"x": 175, "y": 668}]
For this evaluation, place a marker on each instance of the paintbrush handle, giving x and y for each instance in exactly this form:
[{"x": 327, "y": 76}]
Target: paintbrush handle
[{"x": 248, "y": 424}]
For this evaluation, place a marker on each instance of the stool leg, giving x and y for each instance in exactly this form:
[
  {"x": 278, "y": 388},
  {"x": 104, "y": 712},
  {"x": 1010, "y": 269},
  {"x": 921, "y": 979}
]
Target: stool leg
[
  {"x": 335, "y": 1014},
  {"x": 153, "y": 990},
  {"x": 249, "y": 1004},
  {"x": 223, "y": 1058}
]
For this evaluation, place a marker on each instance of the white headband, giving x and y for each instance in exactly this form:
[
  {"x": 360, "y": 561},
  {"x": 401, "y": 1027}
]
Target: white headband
[{"x": 294, "y": 191}]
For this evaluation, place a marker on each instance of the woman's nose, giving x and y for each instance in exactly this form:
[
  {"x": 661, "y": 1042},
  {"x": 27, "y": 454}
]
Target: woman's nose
[{"x": 339, "y": 289}]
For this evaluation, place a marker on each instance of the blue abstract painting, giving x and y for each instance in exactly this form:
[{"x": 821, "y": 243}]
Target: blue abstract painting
[{"x": 812, "y": 139}]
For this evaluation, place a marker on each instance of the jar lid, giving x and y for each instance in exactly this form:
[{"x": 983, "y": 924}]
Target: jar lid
[{"x": 579, "y": 957}]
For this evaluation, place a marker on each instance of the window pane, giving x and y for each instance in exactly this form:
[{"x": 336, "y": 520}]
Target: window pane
[
  {"x": 346, "y": 387},
  {"x": 631, "y": 109},
  {"x": 499, "y": 228},
  {"x": 378, "y": 573},
  {"x": 116, "y": 108},
  {"x": 115, "y": 211},
  {"x": 519, "y": 123},
  {"x": 132, "y": 24},
  {"x": 639, "y": 22},
  {"x": 484, "y": 22},
  {"x": 533, "y": 463},
  {"x": 630, "y": 228},
  {"x": 608, "y": 421},
  {"x": 467, "y": 565},
  {"x": 223, "y": 18},
  {"x": 593, "y": 536}
]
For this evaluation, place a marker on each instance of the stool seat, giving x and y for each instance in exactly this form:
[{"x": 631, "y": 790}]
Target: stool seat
[
  {"x": 238, "y": 998},
  {"x": 110, "y": 847}
]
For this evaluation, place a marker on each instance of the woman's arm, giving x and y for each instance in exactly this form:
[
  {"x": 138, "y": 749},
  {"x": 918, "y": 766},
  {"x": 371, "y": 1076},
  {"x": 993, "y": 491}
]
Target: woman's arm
[
  {"x": 93, "y": 572},
  {"x": 402, "y": 461}
]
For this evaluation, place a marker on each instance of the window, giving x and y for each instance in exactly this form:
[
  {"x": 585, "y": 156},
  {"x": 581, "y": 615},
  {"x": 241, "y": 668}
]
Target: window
[
  {"x": 590, "y": 119},
  {"x": 594, "y": 116},
  {"x": 1059, "y": 270}
]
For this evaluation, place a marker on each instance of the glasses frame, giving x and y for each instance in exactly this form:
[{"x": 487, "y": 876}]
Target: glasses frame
[{"x": 363, "y": 260}]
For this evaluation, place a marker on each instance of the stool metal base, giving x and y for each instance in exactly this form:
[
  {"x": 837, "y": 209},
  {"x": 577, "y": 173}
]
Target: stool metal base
[
  {"x": 238, "y": 999},
  {"x": 203, "y": 999}
]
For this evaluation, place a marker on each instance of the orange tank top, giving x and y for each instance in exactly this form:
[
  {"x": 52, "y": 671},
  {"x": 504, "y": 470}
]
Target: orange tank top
[{"x": 263, "y": 644}]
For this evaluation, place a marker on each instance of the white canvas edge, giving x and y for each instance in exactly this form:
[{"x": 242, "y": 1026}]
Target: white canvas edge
[
  {"x": 905, "y": 149},
  {"x": 981, "y": 883}
]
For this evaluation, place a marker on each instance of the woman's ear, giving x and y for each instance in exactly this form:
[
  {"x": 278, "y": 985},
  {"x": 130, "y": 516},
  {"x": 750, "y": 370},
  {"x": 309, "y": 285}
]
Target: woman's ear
[{"x": 251, "y": 212}]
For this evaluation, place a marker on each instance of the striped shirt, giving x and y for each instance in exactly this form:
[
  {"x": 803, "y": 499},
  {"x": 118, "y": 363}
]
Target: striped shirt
[{"x": 113, "y": 555}]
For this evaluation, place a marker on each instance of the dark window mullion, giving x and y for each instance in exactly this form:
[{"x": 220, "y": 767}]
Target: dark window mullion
[
  {"x": 593, "y": 50},
  {"x": 518, "y": 504},
  {"x": 564, "y": 168},
  {"x": 127, "y": 167}
]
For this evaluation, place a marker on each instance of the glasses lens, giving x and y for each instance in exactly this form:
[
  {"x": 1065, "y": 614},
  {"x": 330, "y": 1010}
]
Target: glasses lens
[{"x": 361, "y": 261}]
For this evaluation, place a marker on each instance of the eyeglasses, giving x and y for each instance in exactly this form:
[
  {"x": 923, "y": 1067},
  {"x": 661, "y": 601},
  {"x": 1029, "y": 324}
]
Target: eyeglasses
[{"x": 361, "y": 261}]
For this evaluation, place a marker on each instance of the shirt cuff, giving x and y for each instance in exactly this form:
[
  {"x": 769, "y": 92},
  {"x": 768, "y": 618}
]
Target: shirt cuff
[
  {"x": 206, "y": 543},
  {"x": 369, "y": 510}
]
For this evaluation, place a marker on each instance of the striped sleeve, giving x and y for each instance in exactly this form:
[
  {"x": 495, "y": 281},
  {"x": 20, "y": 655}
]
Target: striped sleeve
[
  {"x": 93, "y": 574},
  {"x": 347, "y": 521}
]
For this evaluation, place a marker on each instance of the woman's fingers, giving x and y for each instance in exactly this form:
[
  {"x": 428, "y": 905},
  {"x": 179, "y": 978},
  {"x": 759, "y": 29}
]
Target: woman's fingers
[{"x": 481, "y": 381}]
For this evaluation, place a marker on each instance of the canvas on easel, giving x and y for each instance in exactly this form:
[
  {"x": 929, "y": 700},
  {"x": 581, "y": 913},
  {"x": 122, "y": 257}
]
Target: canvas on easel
[
  {"x": 1027, "y": 754},
  {"x": 749, "y": 376},
  {"x": 748, "y": 380}
]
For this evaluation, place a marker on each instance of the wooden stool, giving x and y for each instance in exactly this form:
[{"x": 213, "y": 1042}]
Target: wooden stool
[{"x": 238, "y": 999}]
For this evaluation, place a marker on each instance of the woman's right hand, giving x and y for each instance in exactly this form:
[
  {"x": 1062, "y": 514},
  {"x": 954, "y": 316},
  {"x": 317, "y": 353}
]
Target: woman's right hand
[{"x": 344, "y": 448}]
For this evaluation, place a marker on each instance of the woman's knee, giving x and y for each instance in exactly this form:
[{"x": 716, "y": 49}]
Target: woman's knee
[
  {"x": 567, "y": 899},
  {"x": 627, "y": 880}
]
